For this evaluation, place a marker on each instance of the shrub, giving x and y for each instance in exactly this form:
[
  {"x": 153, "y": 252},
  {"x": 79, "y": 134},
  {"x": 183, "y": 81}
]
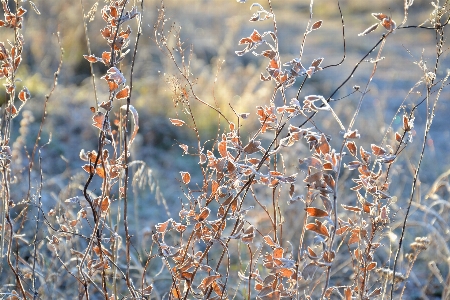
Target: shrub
[{"x": 301, "y": 198}]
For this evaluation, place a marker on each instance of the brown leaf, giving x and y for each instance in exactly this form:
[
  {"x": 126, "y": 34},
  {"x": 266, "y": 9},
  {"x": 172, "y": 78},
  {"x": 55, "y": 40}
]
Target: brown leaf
[
  {"x": 371, "y": 266},
  {"x": 316, "y": 25},
  {"x": 324, "y": 146},
  {"x": 222, "y": 147},
  {"x": 342, "y": 229},
  {"x": 256, "y": 37},
  {"x": 90, "y": 58},
  {"x": 377, "y": 150},
  {"x": 352, "y": 134},
  {"x": 318, "y": 227},
  {"x": 104, "y": 206},
  {"x": 278, "y": 252},
  {"x": 252, "y": 147},
  {"x": 186, "y": 177},
  {"x": 351, "y": 146},
  {"x": 124, "y": 93},
  {"x": 24, "y": 94},
  {"x": 99, "y": 119},
  {"x": 106, "y": 57},
  {"x": 379, "y": 16},
  {"x": 206, "y": 282},
  {"x": 162, "y": 227},
  {"x": 12, "y": 109},
  {"x": 269, "y": 241},
  {"x": 185, "y": 148},
  {"x": 316, "y": 212},
  {"x": 177, "y": 122},
  {"x": 203, "y": 214}
]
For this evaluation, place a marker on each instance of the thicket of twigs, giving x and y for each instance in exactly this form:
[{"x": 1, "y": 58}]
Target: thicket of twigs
[{"x": 292, "y": 210}]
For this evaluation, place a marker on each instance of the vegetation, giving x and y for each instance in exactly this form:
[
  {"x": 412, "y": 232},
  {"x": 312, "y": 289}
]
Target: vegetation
[{"x": 269, "y": 175}]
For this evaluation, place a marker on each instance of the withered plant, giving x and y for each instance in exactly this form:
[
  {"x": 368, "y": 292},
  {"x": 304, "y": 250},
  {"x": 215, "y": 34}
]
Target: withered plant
[
  {"x": 288, "y": 210},
  {"x": 246, "y": 176}
]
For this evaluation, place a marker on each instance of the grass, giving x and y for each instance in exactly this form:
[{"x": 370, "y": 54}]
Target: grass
[{"x": 160, "y": 164}]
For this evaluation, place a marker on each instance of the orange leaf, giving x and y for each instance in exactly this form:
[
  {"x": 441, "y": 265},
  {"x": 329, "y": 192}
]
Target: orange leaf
[
  {"x": 222, "y": 147},
  {"x": 124, "y": 93},
  {"x": 177, "y": 122},
  {"x": 269, "y": 241},
  {"x": 278, "y": 252},
  {"x": 24, "y": 94},
  {"x": 104, "y": 206},
  {"x": 112, "y": 85},
  {"x": 162, "y": 227},
  {"x": 351, "y": 146},
  {"x": 203, "y": 214},
  {"x": 371, "y": 266},
  {"x": 316, "y": 212},
  {"x": 106, "y": 57},
  {"x": 90, "y": 58},
  {"x": 342, "y": 229},
  {"x": 318, "y": 227},
  {"x": 377, "y": 150},
  {"x": 206, "y": 282},
  {"x": 317, "y": 25},
  {"x": 256, "y": 37},
  {"x": 101, "y": 172}
]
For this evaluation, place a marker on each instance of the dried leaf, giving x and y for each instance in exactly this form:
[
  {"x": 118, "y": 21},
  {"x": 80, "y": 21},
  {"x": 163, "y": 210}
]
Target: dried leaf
[
  {"x": 269, "y": 241},
  {"x": 124, "y": 93},
  {"x": 91, "y": 58},
  {"x": 256, "y": 37},
  {"x": 99, "y": 119},
  {"x": 186, "y": 177},
  {"x": 318, "y": 227},
  {"x": 316, "y": 212},
  {"x": 379, "y": 16},
  {"x": 104, "y": 206},
  {"x": 206, "y": 282},
  {"x": 177, "y": 122},
  {"x": 222, "y": 147},
  {"x": 371, "y": 266},
  {"x": 162, "y": 227},
  {"x": 316, "y": 25},
  {"x": 377, "y": 150},
  {"x": 203, "y": 214},
  {"x": 351, "y": 146},
  {"x": 252, "y": 147}
]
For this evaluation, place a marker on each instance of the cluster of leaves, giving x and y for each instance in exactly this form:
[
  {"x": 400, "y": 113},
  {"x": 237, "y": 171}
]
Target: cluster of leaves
[
  {"x": 240, "y": 200},
  {"x": 217, "y": 209}
]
